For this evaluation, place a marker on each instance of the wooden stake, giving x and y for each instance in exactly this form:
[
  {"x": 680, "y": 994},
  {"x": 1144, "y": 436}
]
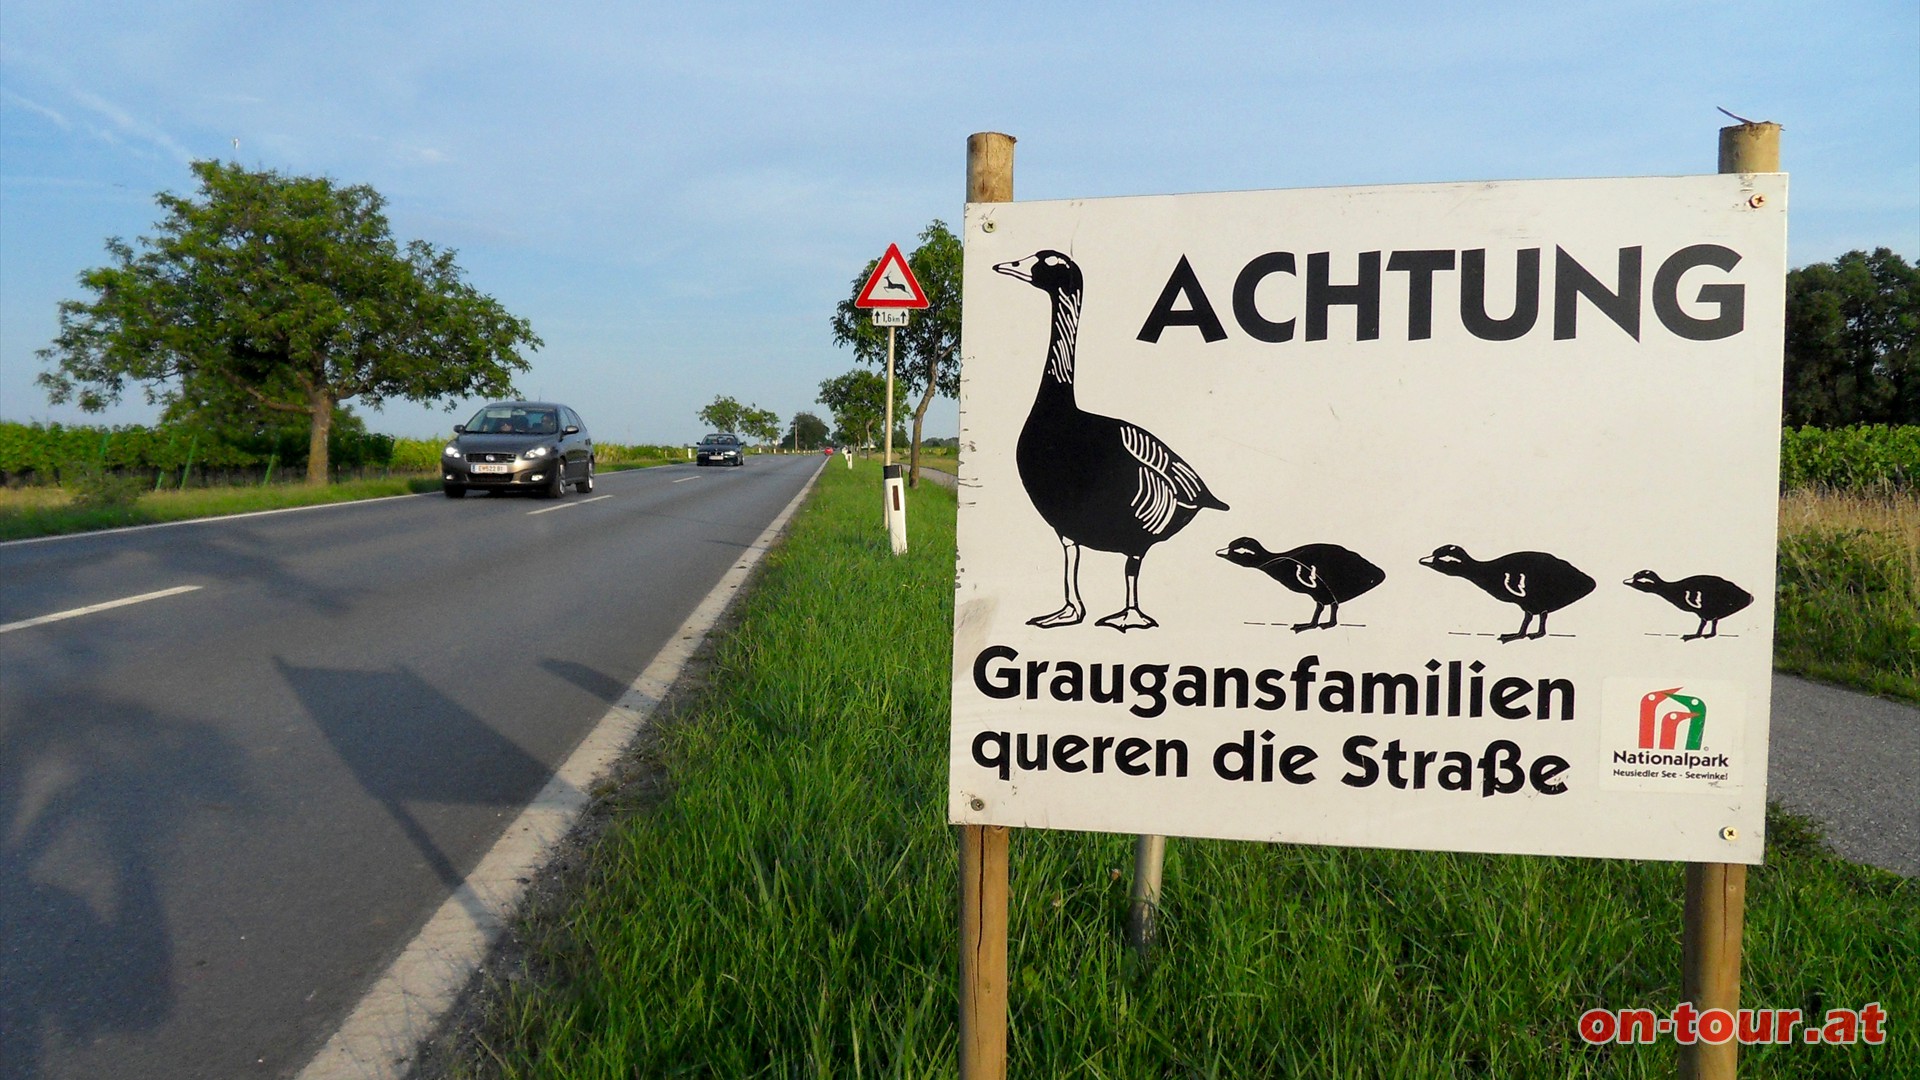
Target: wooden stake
[
  {"x": 1716, "y": 907},
  {"x": 983, "y": 848},
  {"x": 983, "y": 952},
  {"x": 1716, "y": 893}
]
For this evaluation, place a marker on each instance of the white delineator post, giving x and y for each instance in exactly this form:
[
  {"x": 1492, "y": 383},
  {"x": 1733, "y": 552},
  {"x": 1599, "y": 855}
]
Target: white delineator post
[
  {"x": 896, "y": 493},
  {"x": 895, "y": 490}
]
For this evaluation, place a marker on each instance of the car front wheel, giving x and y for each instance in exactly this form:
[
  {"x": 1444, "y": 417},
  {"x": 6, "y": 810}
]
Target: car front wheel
[
  {"x": 557, "y": 484},
  {"x": 585, "y": 487},
  {"x": 454, "y": 491}
]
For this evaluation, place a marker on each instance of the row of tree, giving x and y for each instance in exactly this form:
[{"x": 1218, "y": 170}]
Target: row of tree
[
  {"x": 265, "y": 296},
  {"x": 1853, "y": 342},
  {"x": 805, "y": 432}
]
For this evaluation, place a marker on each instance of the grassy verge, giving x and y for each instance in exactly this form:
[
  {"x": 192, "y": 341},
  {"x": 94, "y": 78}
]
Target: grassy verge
[
  {"x": 1849, "y": 592},
  {"x": 28, "y": 512},
  {"x": 787, "y": 907}
]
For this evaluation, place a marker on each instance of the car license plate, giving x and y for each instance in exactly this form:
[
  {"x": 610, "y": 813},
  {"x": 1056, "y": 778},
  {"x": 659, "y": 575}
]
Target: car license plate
[{"x": 491, "y": 467}]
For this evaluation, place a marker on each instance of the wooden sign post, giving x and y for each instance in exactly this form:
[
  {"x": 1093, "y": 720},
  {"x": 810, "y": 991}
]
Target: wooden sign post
[
  {"x": 983, "y": 848},
  {"x": 1716, "y": 893}
]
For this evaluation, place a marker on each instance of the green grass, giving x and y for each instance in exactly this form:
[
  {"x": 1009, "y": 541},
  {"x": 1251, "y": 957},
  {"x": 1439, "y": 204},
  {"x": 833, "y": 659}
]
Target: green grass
[
  {"x": 30, "y": 512},
  {"x": 787, "y": 906},
  {"x": 1849, "y": 591}
]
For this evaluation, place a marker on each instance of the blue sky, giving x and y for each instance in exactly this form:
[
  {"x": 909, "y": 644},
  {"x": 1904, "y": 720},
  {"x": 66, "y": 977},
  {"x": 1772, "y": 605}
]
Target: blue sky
[{"x": 677, "y": 195}]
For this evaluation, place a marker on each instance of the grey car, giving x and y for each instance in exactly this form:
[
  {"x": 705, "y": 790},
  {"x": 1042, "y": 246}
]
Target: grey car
[
  {"x": 539, "y": 446},
  {"x": 720, "y": 448}
]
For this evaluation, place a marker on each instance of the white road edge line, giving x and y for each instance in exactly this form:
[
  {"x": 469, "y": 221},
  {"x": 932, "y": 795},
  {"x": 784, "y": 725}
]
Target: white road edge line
[
  {"x": 217, "y": 519},
  {"x": 381, "y": 1037},
  {"x": 91, "y": 608},
  {"x": 564, "y": 506},
  {"x": 207, "y": 520},
  {"x": 684, "y": 479}
]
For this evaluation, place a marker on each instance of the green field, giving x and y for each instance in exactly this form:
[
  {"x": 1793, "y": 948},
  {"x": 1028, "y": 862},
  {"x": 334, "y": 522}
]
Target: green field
[{"x": 777, "y": 898}]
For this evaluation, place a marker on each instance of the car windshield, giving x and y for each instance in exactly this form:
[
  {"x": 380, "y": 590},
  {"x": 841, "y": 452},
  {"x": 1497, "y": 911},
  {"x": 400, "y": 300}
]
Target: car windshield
[
  {"x": 513, "y": 420},
  {"x": 721, "y": 438}
]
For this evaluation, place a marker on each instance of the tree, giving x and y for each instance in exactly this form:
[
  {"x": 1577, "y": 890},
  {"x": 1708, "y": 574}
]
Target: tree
[
  {"x": 807, "y": 431},
  {"x": 858, "y": 400},
  {"x": 285, "y": 294},
  {"x": 725, "y": 414},
  {"x": 762, "y": 424},
  {"x": 1852, "y": 328},
  {"x": 927, "y": 350}
]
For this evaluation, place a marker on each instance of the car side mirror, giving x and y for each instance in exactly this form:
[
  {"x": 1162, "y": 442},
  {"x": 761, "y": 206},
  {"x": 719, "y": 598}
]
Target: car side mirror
[
  {"x": 459, "y": 429},
  {"x": 573, "y": 429}
]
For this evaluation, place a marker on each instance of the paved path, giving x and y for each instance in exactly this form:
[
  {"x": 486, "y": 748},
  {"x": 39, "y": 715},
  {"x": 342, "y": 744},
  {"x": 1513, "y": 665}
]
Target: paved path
[
  {"x": 944, "y": 479},
  {"x": 1853, "y": 763}
]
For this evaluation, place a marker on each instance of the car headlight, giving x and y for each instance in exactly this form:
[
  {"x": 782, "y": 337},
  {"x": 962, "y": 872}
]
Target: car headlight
[
  {"x": 451, "y": 451},
  {"x": 536, "y": 452}
]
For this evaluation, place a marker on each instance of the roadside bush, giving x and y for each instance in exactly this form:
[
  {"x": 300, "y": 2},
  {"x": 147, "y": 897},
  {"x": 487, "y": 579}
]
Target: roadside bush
[
  {"x": 1864, "y": 457},
  {"x": 93, "y": 486}
]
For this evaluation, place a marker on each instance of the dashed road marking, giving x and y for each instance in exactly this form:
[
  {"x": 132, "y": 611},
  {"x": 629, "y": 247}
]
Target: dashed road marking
[
  {"x": 75, "y": 613},
  {"x": 563, "y": 506}
]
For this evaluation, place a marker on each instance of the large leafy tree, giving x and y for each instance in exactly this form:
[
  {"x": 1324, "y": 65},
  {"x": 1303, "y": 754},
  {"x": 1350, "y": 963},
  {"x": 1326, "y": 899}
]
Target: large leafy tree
[
  {"x": 807, "y": 431},
  {"x": 724, "y": 414},
  {"x": 858, "y": 400},
  {"x": 285, "y": 294},
  {"x": 1852, "y": 331},
  {"x": 927, "y": 350},
  {"x": 762, "y": 424}
]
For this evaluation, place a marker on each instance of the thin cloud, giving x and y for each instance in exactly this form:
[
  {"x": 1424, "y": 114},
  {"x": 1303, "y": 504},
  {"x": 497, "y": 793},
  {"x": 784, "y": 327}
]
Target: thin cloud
[
  {"x": 125, "y": 123},
  {"x": 19, "y": 102}
]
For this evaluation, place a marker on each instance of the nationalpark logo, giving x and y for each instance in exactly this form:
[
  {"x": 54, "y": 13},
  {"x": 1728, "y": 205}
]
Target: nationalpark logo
[
  {"x": 1661, "y": 731},
  {"x": 1672, "y": 733}
]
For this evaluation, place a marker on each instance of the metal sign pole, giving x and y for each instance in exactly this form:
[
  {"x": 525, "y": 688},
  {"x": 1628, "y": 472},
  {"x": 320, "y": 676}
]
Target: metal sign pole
[{"x": 888, "y": 436}]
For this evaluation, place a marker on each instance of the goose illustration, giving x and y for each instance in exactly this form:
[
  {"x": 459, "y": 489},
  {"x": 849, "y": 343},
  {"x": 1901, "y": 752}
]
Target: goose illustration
[
  {"x": 1329, "y": 573},
  {"x": 1538, "y": 583},
  {"x": 1703, "y": 595},
  {"x": 1102, "y": 483}
]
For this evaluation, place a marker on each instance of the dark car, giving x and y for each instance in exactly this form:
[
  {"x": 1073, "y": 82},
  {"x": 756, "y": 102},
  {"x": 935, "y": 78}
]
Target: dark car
[
  {"x": 519, "y": 446},
  {"x": 720, "y": 448}
]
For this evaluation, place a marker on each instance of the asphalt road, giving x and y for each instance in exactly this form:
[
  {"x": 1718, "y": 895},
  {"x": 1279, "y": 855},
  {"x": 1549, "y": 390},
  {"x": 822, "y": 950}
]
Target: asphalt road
[
  {"x": 1853, "y": 763},
  {"x": 224, "y": 811}
]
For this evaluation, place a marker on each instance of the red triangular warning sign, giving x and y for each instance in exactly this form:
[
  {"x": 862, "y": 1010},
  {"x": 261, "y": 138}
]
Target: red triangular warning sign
[{"x": 892, "y": 284}]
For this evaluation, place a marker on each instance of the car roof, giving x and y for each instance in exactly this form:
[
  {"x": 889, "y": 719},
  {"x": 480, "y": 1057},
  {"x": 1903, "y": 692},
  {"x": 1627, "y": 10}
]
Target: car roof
[{"x": 525, "y": 404}]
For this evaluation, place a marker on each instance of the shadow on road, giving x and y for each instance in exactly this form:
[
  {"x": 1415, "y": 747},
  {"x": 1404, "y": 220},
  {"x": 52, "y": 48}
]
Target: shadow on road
[
  {"x": 406, "y": 742},
  {"x": 603, "y": 687},
  {"x": 91, "y": 797}
]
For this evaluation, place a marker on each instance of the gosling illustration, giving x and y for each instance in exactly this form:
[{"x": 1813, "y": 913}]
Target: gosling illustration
[
  {"x": 1329, "y": 573},
  {"x": 1537, "y": 583},
  {"x": 1101, "y": 482},
  {"x": 1704, "y": 596}
]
